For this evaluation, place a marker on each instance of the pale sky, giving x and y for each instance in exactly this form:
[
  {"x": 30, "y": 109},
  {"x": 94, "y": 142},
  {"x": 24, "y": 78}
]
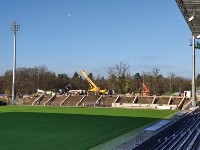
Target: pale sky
[{"x": 69, "y": 35}]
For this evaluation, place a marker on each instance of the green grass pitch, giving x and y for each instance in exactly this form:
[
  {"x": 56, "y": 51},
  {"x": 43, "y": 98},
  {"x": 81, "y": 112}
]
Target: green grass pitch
[{"x": 66, "y": 128}]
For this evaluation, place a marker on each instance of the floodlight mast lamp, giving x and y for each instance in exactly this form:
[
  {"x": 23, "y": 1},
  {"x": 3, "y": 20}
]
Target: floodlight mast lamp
[{"x": 14, "y": 27}]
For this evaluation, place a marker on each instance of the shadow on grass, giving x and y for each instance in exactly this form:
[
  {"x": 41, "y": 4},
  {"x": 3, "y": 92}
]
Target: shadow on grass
[{"x": 28, "y": 130}]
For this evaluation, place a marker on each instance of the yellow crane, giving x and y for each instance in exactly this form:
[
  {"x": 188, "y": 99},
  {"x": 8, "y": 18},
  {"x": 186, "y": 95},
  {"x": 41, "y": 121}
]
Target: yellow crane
[{"x": 93, "y": 87}]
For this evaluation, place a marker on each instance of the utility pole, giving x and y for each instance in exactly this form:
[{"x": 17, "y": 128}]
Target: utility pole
[
  {"x": 14, "y": 27},
  {"x": 171, "y": 78}
]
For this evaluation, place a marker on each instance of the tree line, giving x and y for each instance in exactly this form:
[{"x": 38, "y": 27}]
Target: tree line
[{"x": 119, "y": 79}]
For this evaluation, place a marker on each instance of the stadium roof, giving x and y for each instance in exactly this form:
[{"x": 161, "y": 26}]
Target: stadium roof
[{"x": 191, "y": 12}]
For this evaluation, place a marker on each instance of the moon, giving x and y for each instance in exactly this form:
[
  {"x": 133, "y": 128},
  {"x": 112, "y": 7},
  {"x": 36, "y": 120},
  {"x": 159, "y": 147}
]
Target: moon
[{"x": 68, "y": 15}]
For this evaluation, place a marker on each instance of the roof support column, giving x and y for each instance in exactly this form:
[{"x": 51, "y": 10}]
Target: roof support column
[{"x": 193, "y": 73}]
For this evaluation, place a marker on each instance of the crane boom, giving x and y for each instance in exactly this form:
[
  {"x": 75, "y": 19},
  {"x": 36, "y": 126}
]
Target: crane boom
[
  {"x": 93, "y": 87},
  {"x": 145, "y": 89}
]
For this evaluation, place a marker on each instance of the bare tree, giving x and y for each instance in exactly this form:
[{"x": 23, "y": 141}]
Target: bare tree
[
  {"x": 118, "y": 75},
  {"x": 157, "y": 88}
]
